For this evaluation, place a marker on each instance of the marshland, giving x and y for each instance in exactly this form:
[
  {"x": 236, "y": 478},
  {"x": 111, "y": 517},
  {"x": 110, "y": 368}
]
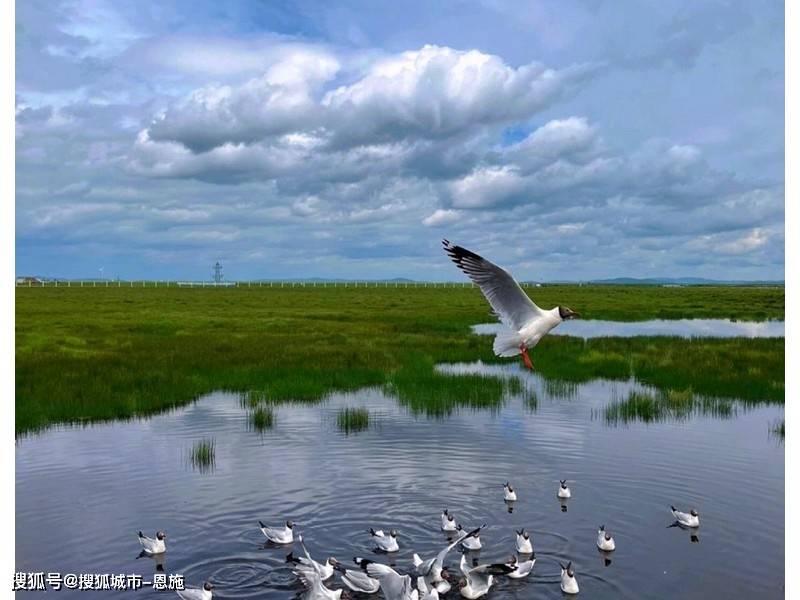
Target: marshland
[
  {"x": 344, "y": 409},
  {"x": 112, "y": 353}
]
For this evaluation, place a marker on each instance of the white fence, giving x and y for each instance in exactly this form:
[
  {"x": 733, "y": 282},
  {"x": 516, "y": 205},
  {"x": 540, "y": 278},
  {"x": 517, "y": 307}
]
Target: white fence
[{"x": 245, "y": 284}]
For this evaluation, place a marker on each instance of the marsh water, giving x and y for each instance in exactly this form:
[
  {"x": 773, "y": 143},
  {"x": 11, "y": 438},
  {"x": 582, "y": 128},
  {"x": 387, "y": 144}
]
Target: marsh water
[
  {"x": 591, "y": 328},
  {"x": 82, "y": 493}
]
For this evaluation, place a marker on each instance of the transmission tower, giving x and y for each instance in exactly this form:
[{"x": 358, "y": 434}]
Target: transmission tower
[{"x": 217, "y": 272}]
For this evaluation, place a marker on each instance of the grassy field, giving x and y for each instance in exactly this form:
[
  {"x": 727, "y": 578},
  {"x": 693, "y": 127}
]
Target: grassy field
[{"x": 93, "y": 354}]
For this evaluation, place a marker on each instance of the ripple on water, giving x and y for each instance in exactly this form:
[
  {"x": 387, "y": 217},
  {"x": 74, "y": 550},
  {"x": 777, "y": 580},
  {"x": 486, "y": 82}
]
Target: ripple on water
[{"x": 401, "y": 475}]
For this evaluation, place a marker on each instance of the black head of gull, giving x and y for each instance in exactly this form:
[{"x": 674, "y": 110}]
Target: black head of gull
[
  {"x": 290, "y": 524},
  {"x": 693, "y": 512},
  {"x": 161, "y": 535},
  {"x": 208, "y": 586},
  {"x": 566, "y": 313},
  {"x": 568, "y": 569}
]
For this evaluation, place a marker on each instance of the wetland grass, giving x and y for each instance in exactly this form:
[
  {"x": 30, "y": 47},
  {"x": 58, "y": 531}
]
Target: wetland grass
[
  {"x": 654, "y": 406},
  {"x": 203, "y": 454},
  {"x": 261, "y": 418},
  {"x": 109, "y": 353},
  {"x": 351, "y": 419}
]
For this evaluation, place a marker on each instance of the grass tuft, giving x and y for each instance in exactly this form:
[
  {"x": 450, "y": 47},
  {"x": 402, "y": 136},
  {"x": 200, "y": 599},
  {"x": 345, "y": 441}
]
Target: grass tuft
[
  {"x": 351, "y": 420},
  {"x": 262, "y": 418},
  {"x": 203, "y": 454},
  {"x": 664, "y": 405}
]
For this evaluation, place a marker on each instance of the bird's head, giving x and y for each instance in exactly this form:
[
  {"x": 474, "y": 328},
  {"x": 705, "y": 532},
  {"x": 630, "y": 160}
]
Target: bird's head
[
  {"x": 208, "y": 586},
  {"x": 161, "y": 535},
  {"x": 693, "y": 512},
  {"x": 566, "y": 313},
  {"x": 290, "y": 524}
]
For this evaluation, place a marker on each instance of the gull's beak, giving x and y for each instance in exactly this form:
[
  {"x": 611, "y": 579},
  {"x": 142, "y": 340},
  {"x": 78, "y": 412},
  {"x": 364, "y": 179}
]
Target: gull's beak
[{"x": 575, "y": 315}]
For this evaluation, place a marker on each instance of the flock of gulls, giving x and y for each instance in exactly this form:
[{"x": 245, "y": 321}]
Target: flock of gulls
[
  {"x": 430, "y": 577},
  {"x": 525, "y": 325}
]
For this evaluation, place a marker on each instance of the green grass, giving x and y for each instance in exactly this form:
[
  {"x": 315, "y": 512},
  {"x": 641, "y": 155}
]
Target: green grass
[
  {"x": 351, "y": 420},
  {"x": 664, "y": 405},
  {"x": 262, "y": 418},
  {"x": 94, "y": 354},
  {"x": 203, "y": 454}
]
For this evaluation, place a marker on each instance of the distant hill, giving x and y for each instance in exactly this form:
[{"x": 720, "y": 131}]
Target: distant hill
[{"x": 680, "y": 281}]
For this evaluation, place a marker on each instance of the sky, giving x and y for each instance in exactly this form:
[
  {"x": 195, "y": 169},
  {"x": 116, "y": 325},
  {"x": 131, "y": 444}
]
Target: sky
[{"x": 562, "y": 140}]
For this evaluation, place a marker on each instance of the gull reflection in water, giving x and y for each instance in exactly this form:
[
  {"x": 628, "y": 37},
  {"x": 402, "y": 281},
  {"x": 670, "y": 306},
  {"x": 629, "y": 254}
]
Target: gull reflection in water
[{"x": 693, "y": 531}]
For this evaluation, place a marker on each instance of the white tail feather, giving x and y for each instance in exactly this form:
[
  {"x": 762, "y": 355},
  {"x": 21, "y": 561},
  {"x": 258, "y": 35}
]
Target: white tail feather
[
  {"x": 417, "y": 560},
  {"x": 507, "y": 343}
]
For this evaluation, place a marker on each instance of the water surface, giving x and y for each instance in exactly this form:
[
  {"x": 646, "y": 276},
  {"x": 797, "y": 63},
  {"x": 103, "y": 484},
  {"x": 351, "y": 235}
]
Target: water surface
[
  {"x": 83, "y": 493},
  {"x": 590, "y": 328}
]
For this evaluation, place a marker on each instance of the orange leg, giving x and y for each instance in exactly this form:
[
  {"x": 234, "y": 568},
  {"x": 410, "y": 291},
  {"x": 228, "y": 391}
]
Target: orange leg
[{"x": 525, "y": 358}]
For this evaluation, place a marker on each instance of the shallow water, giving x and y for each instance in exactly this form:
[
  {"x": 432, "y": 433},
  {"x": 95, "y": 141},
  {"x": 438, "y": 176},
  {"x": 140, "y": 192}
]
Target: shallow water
[
  {"x": 587, "y": 328},
  {"x": 83, "y": 493}
]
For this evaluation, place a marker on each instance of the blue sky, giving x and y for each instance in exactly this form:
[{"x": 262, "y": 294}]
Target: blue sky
[{"x": 564, "y": 140}]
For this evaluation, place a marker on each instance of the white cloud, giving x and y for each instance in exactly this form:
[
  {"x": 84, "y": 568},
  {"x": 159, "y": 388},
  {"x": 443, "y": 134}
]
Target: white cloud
[
  {"x": 441, "y": 217},
  {"x": 439, "y": 92},
  {"x": 486, "y": 186}
]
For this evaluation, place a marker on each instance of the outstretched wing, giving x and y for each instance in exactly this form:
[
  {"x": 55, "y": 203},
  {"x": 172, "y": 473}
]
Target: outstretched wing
[
  {"x": 513, "y": 306},
  {"x": 392, "y": 583},
  {"x": 441, "y": 556}
]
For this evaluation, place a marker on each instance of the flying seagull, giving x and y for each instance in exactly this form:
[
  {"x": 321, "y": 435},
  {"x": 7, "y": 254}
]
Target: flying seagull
[{"x": 525, "y": 322}]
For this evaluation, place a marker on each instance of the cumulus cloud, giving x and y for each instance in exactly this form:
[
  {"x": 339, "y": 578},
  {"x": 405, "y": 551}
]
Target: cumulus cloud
[
  {"x": 439, "y": 92},
  {"x": 280, "y": 101},
  {"x": 432, "y": 93}
]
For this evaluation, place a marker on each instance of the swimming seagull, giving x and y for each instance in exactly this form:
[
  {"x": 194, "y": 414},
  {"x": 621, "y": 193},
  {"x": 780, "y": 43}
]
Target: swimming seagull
[
  {"x": 448, "y": 521},
  {"x": 278, "y": 535},
  {"x": 569, "y": 585},
  {"x": 524, "y": 543},
  {"x": 432, "y": 568},
  {"x": 563, "y": 490},
  {"x": 509, "y": 493},
  {"x": 479, "y": 579},
  {"x": 356, "y": 579},
  {"x": 153, "y": 546},
  {"x": 387, "y": 543},
  {"x": 525, "y": 322},
  {"x": 306, "y": 562},
  {"x": 690, "y": 519},
  {"x": 471, "y": 541},
  {"x": 393, "y": 585},
  {"x": 203, "y": 593},
  {"x": 523, "y": 569},
  {"x": 604, "y": 540}
]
